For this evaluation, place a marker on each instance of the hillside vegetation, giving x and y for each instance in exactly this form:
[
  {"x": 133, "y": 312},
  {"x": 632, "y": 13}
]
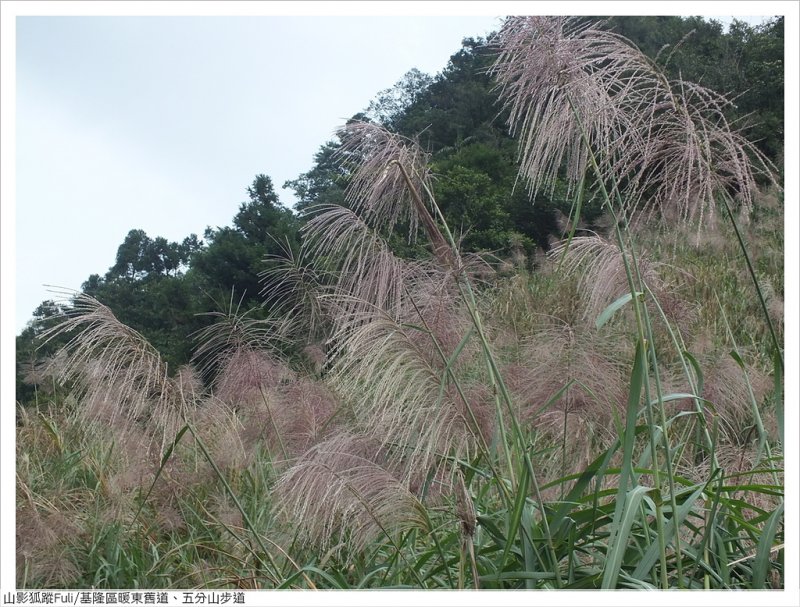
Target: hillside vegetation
[{"x": 524, "y": 329}]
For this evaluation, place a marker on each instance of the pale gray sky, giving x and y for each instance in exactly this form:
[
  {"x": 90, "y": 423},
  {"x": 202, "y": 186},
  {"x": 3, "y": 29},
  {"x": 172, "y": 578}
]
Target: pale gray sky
[{"x": 160, "y": 123}]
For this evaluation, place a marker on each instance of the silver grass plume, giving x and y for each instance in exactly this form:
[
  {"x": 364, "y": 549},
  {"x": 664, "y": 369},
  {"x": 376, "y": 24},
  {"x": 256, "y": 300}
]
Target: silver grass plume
[
  {"x": 599, "y": 266},
  {"x": 234, "y": 331},
  {"x": 364, "y": 268},
  {"x": 342, "y": 494},
  {"x": 391, "y": 376},
  {"x": 550, "y": 69},
  {"x": 395, "y": 321},
  {"x": 558, "y": 354},
  {"x": 112, "y": 365},
  {"x": 307, "y": 414},
  {"x": 587, "y": 372},
  {"x": 690, "y": 155},
  {"x": 274, "y": 404},
  {"x": 660, "y": 144},
  {"x": 293, "y": 284},
  {"x": 389, "y": 177},
  {"x": 241, "y": 354}
]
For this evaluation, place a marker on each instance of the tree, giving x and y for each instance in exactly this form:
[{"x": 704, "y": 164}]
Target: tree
[
  {"x": 162, "y": 288},
  {"x": 235, "y": 256},
  {"x": 325, "y": 182},
  {"x": 762, "y": 77},
  {"x": 139, "y": 256},
  {"x": 458, "y": 104},
  {"x": 745, "y": 63},
  {"x": 391, "y": 104}
]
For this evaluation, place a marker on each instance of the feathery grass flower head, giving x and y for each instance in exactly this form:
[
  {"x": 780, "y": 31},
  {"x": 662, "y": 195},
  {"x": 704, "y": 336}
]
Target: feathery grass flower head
[
  {"x": 341, "y": 492},
  {"x": 582, "y": 97}
]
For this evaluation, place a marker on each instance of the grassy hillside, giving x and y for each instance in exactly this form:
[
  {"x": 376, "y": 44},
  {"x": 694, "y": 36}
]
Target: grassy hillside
[{"x": 605, "y": 415}]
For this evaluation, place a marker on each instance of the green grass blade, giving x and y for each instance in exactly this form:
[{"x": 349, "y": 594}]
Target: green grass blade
[
  {"x": 515, "y": 516},
  {"x": 777, "y": 394},
  {"x": 245, "y": 517},
  {"x": 164, "y": 460},
  {"x": 698, "y": 371},
  {"x": 606, "y": 314},
  {"x": 624, "y": 510},
  {"x": 651, "y": 556},
  {"x": 619, "y": 538},
  {"x": 335, "y": 582},
  {"x": 778, "y": 354},
  {"x": 765, "y": 544},
  {"x": 518, "y": 575},
  {"x": 637, "y": 382},
  {"x": 53, "y": 432},
  {"x": 596, "y": 468}
]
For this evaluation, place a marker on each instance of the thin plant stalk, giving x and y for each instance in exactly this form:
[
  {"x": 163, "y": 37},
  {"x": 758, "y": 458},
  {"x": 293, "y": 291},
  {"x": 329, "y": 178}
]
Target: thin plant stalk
[
  {"x": 763, "y": 443},
  {"x": 646, "y": 339},
  {"x": 751, "y": 271},
  {"x": 231, "y": 493},
  {"x": 496, "y": 378},
  {"x": 274, "y": 425}
]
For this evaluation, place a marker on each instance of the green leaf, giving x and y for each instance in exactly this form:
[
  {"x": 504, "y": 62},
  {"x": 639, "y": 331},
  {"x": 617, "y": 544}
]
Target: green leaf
[
  {"x": 597, "y": 467},
  {"x": 698, "y": 371},
  {"x": 735, "y": 356},
  {"x": 650, "y": 557},
  {"x": 638, "y": 375},
  {"x": 623, "y": 511},
  {"x": 518, "y": 575},
  {"x": 334, "y": 580},
  {"x": 164, "y": 459},
  {"x": 675, "y": 396},
  {"x": 777, "y": 394},
  {"x": 606, "y": 314},
  {"x": 761, "y": 564},
  {"x": 619, "y": 538},
  {"x": 515, "y": 516}
]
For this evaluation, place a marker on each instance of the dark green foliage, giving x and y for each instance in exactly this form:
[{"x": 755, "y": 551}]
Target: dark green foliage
[
  {"x": 235, "y": 255},
  {"x": 163, "y": 289},
  {"x": 476, "y": 191},
  {"x": 162, "y": 308},
  {"x": 456, "y": 117},
  {"x": 761, "y": 78},
  {"x": 459, "y": 105},
  {"x": 391, "y": 106},
  {"x": 30, "y": 352},
  {"x": 140, "y": 256},
  {"x": 324, "y": 182}
]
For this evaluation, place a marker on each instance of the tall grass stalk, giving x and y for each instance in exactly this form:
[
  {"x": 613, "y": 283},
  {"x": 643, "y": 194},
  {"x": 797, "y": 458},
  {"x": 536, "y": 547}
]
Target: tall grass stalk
[
  {"x": 253, "y": 529},
  {"x": 746, "y": 255},
  {"x": 496, "y": 377},
  {"x": 647, "y": 344}
]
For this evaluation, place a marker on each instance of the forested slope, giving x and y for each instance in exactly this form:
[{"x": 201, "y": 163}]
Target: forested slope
[{"x": 165, "y": 289}]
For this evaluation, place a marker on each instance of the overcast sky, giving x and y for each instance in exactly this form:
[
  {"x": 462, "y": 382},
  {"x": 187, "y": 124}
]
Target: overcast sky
[{"x": 161, "y": 123}]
